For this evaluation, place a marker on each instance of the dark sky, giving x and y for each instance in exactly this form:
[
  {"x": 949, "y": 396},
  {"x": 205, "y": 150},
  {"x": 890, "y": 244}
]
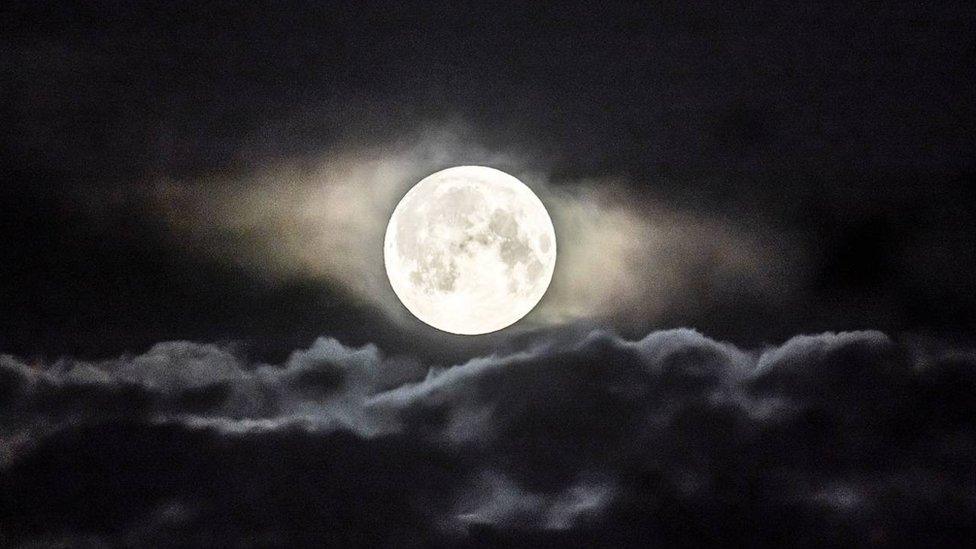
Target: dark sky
[{"x": 836, "y": 139}]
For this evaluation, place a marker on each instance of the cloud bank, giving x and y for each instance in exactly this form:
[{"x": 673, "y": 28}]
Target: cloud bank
[{"x": 674, "y": 439}]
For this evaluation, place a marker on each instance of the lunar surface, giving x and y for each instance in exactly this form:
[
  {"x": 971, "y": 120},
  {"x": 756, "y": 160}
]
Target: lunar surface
[{"x": 470, "y": 250}]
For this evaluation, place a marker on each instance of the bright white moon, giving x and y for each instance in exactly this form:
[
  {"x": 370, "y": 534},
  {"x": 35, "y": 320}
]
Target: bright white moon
[{"x": 470, "y": 250}]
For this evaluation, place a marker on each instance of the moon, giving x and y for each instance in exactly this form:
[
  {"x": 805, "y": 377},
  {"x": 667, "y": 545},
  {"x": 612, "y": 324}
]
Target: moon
[{"x": 470, "y": 250}]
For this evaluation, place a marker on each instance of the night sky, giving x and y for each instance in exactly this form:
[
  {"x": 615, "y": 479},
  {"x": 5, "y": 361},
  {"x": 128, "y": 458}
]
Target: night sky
[{"x": 760, "y": 330}]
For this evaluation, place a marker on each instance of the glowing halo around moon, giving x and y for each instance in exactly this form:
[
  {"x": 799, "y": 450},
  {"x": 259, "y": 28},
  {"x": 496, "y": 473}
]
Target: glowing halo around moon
[{"x": 470, "y": 250}]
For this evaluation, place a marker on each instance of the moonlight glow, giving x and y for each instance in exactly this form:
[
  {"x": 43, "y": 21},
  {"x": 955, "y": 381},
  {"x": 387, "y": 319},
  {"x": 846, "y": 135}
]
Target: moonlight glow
[{"x": 470, "y": 250}]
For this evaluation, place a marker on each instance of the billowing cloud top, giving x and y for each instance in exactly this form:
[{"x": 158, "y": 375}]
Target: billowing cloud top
[{"x": 595, "y": 440}]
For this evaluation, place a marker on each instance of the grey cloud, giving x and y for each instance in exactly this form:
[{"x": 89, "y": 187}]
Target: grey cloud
[
  {"x": 495, "y": 499},
  {"x": 568, "y": 439}
]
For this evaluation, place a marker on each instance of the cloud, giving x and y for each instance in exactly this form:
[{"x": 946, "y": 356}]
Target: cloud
[
  {"x": 322, "y": 218},
  {"x": 844, "y": 438}
]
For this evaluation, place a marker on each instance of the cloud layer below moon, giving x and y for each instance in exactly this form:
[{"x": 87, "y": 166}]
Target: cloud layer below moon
[
  {"x": 620, "y": 256},
  {"x": 842, "y": 438}
]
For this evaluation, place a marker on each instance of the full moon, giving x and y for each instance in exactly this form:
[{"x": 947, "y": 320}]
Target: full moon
[{"x": 470, "y": 250}]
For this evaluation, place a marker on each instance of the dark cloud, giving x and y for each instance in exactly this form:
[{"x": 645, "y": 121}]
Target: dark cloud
[
  {"x": 848, "y": 438},
  {"x": 754, "y": 171}
]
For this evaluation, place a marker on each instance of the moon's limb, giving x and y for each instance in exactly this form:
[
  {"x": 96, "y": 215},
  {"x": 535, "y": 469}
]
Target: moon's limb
[{"x": 470, "y": 250}]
